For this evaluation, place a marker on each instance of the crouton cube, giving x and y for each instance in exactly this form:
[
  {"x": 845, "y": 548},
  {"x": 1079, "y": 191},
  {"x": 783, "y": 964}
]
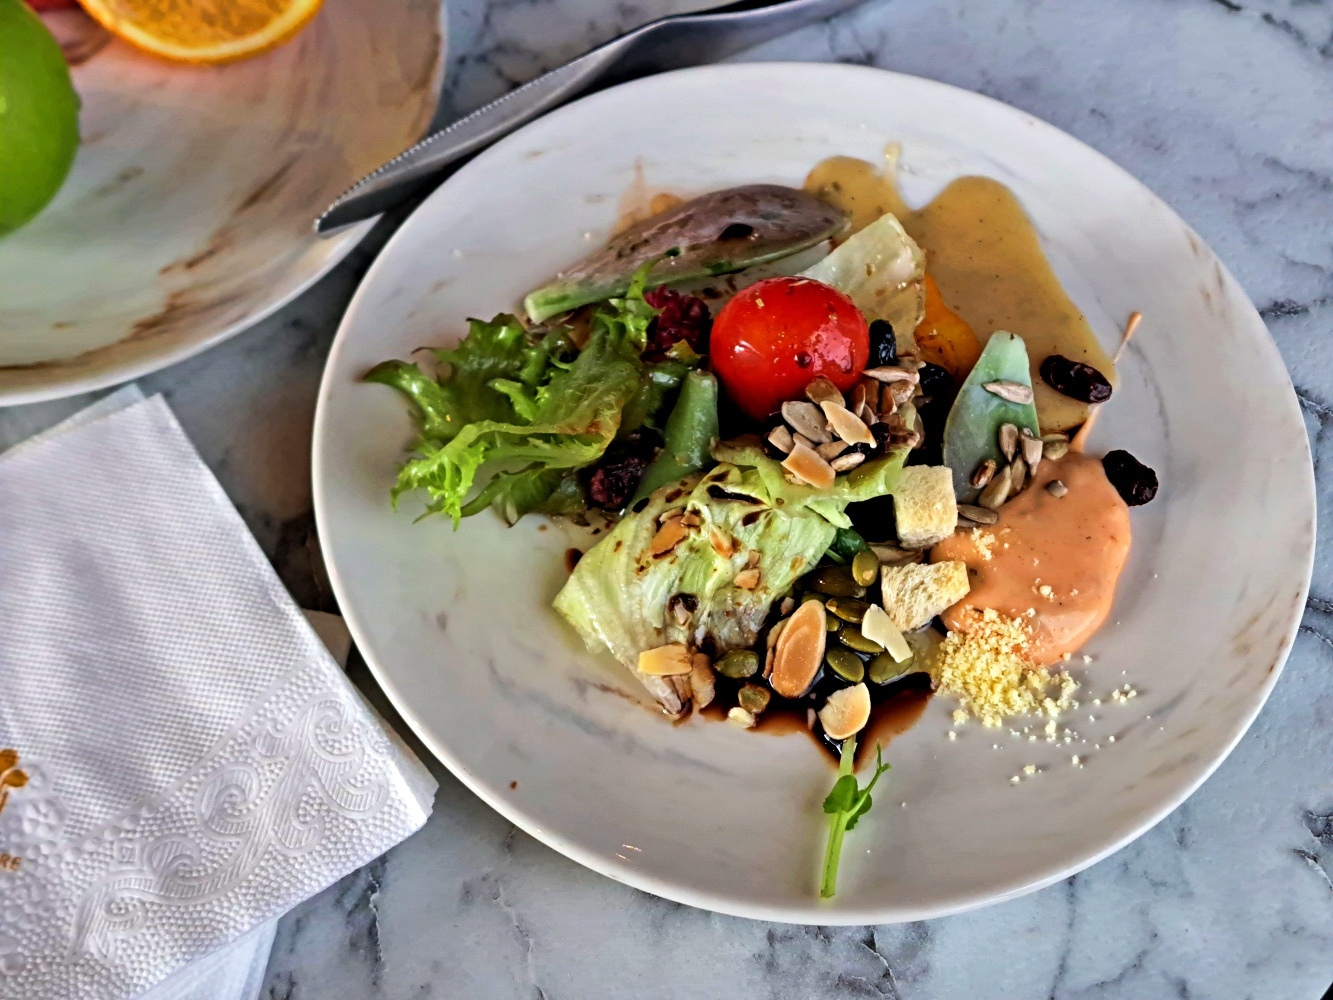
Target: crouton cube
[
  {"x": 916, "y": 593},
  {"x": 924, "y": 505}
]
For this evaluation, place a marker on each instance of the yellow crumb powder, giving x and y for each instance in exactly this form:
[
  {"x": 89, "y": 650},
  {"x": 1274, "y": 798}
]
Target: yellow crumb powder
[
  {"x": 985, "y": 542},
  {"x": 986, "y": 666}
]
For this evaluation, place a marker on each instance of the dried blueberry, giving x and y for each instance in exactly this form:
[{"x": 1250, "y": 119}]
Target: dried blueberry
[
  {"x": 935, "y": 381},
  {"x": 883, "y": 346},
  {"x": 614, "y": 481},
  {"x": 1134, "y": 481},
  {"x": 1075, "y": 379}
]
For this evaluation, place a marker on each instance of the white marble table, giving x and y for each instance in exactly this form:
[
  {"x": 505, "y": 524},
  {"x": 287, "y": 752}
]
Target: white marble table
[{"x": 1226, "y": 110}]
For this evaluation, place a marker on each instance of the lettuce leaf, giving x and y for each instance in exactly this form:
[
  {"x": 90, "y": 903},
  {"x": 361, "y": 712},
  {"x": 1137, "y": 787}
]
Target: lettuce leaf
[
  {"x": 883, "y": 271},
  {"x": 620, "y": 595},
  {"x": 510, "y": 399}
]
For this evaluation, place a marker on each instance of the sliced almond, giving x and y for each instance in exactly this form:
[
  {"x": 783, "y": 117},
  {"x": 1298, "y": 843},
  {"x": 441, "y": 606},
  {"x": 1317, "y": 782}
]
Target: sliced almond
[
  {"x": 878, "y": 627},
  {"x": 846, "y": 712},
  {"x": 774, "y": 634},
  {"x": 746, "y": 579},
  {"x": 847, "y": 462},
  {"x": 799, "y": 653},
  {"x": 806, "y": 418},
  {"x": 780, "y": 438},
  {"x": 722, "y": 543},
  {"x": 691, "y": 519},
  {"x": 1014, "y": 392},
  {"x": 828, "y": 452},
  {"x": 822, "y": 390},
  {"x": 807, "y": 466},
  {"x": 1007, "y": 438},
  {"x": 666, "y": 661},
  {"x": 892, "y": 373},
  {"x": 741, "y": 718},
  {"x": 847, "y": 425},
  {"x": 668, "y": 536}
]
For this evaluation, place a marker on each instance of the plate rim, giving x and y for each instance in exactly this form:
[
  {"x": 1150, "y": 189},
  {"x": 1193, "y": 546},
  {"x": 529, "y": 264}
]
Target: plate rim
[{"x": 815, "y": 912}]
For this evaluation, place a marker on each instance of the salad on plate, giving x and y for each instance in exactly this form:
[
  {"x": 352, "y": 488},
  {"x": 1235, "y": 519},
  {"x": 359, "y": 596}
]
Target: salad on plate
[{"x": 813, "y": 487}]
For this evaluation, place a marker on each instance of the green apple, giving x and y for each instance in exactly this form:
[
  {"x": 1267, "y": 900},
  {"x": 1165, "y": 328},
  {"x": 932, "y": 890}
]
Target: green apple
[{"x": 39, "y": 116}]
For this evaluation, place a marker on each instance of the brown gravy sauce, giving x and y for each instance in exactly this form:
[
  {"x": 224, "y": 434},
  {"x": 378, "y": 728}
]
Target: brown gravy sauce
[
  {"x": 984, "y": 253},
  {"x": 1059, "y": 557}
]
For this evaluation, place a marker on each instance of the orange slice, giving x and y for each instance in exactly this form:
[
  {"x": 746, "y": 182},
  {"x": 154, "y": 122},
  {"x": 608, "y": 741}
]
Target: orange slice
[{"x": 203, "y": 31}]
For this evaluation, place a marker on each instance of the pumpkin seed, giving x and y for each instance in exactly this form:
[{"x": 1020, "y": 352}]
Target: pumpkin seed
[
  {"x": 1014, "y": 392},
  {"x": 753, "y": 698},
  {"x": 832, "y": 623},
  {"x": 849, "y": 609},
  {"x": 884, "y": 668},
  {"x": 847, "y": 462},
  {"x": 738, "y": 664},
  {"x": 852, "y": 638},
  {"x": 845, "y": 664},
  {"x": 865, "y": 567},
  {"x": 835, "y": 581},
  {"x": 1008, "y": 441}
]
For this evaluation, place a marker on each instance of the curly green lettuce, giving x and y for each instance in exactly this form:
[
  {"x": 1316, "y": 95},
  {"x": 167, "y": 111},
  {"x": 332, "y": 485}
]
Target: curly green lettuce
[{"x": 526, "y": 406}]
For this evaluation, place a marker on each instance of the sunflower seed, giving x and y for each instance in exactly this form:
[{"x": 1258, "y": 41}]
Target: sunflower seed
[
  {"x": 822, "y": 390},
  {"x": 848, "y": 461},
  {"x": 1018, "y": 475},
  {"x": 982, "y": 515},
  {"x": 868, "y": 416},
  {"x": 1056, "y": 488},
  {"x": 1032, "y": 449},
  {"x": 805, "y": 418},
  {"x": 802, "y": 440},
  {"x": 997, "y": 490},
  {"x": 910, "y": 363},
  {"x": 1055, "y": 449},
  {"x": 780, "y": 438},
  {"x": 828, "y": 452},
  {"x": 847, "y": 425},
  {"x": 892, "y": 373},
  {"x": 872, "y": 390},
  {"x": 981, "y": 475},
  {"x": 900, "y": 392},
  {"x": 1008, "y": 441},
  {"x": 1015, "y": 392},
  {"x": 858, "y": 397},
  {"x": 892, "y": 554}
]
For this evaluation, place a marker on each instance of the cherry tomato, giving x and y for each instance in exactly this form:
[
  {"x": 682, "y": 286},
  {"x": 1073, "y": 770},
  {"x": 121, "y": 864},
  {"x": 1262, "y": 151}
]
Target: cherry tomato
[{"x": 780, "y": 334}]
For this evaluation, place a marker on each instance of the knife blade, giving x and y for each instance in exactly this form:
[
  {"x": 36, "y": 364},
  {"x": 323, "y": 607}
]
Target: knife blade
[{"x": 672, "y": 42}]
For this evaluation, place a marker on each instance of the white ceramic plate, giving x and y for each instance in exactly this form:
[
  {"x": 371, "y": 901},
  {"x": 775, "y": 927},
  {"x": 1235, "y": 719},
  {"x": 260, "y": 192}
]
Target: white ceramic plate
[
  {"x": 457, "y": 626},
  {"x": 187, "y": 216}
]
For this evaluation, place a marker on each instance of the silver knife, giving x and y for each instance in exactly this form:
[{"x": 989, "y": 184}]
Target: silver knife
[{"x": 668, "y": 43}]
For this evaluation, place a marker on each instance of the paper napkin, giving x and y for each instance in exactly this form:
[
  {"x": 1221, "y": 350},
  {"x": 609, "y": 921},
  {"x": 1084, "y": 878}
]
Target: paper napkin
[{"x": 181, "y": 760}]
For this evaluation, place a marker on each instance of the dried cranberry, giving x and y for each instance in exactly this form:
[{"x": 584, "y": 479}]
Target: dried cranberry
[
  {"x": 1075, "y": 379},
  {"x": 614, "y": 482},
  {"x": 883, "y": 345},
  {"x": 1134, "y": 481},
  {"x": 679, "y": 317}
]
